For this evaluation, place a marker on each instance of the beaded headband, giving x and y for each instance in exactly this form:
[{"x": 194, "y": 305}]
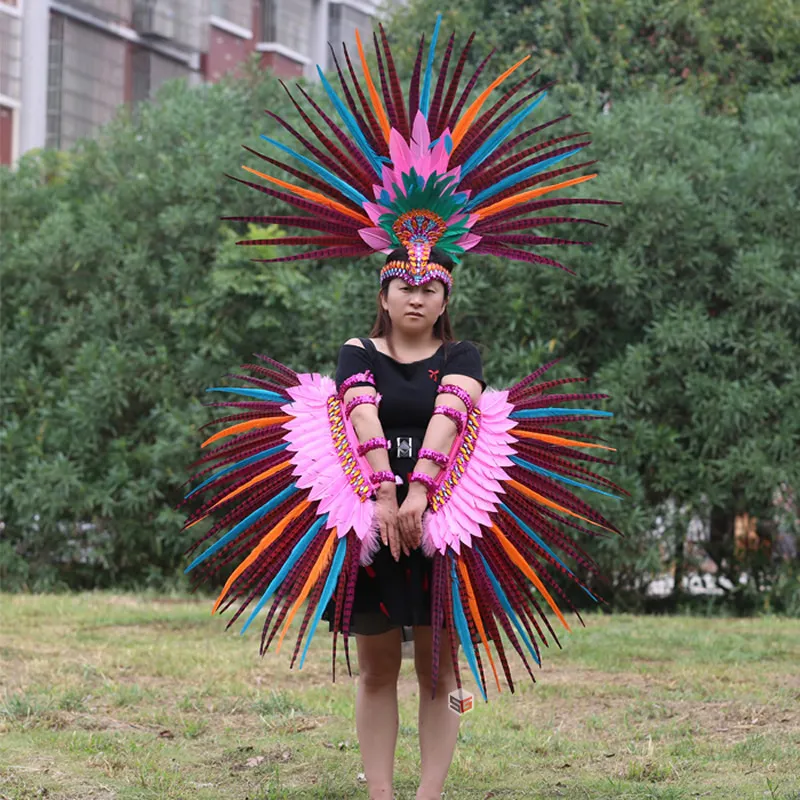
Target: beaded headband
[{"x": 418, "y": 276}]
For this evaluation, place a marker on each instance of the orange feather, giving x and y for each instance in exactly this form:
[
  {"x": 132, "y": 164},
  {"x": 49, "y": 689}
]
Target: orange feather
[
  {"x": 383, "y": 120},
  {"x": 473, "y": 607},
  {"x": 516, "y": 199},
  {"x": 262, "y": 476},
  {"x": 515, "y": 556},
  {"x": 546, "y": 437},
  {"x": 262, "y": 422},
  {"x": 309, "y": 195},
  {"x": 316, "y": 571},
  {"x": 469, "y": 115},
  {"x": 265, "y": 542},
  {"x": 544, "y": 501}
]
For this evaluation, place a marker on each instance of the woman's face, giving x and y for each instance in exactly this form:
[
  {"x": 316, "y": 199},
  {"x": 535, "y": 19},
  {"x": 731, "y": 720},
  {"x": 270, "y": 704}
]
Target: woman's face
[{"x": 414, "y": 308}]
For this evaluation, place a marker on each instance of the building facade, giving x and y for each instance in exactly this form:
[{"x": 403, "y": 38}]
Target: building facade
[{"x": 67, "y": 65}]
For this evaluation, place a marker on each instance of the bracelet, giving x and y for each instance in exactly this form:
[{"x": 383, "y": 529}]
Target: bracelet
[
  {"x": 433, "y": 455},
  {"x": 360, "y": 400},
  {"x": 359, "y": 377},
  {"x": 373, "y": 444},
  {"x": 384, "y": 476},
  {"x": 461, "y": 394},
  {"x": 459, "y": 417},
  {"x": 421, "y": 477}
]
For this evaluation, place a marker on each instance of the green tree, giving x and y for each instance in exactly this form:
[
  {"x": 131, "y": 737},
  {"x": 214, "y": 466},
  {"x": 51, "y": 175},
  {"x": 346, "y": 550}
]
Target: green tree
[{"x": 600, "y": 50}]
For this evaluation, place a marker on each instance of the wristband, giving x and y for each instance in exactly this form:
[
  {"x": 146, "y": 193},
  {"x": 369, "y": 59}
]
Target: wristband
[
  {"x": 433, "y": 455},
  {"x": 421, "y": 477},
  {"x": 384, "y": 476},
  {"x": 373, "y": 444},
  {"x": 360, "y": 400},
  {"x": 359, "y": 377},
  {"x": 459, "y": 417},
  {"x": 461, "y": 394}
]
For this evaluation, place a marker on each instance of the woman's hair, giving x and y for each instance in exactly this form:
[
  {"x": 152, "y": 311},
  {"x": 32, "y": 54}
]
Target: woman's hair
[{"x": 442, "y": 328}]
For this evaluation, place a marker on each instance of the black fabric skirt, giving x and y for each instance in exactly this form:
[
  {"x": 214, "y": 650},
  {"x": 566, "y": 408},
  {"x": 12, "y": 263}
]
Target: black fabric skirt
[{"x": 391, "y": 594}]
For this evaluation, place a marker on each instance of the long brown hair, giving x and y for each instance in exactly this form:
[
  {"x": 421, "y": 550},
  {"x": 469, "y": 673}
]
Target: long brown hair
[{"x": 442, "y": 328}]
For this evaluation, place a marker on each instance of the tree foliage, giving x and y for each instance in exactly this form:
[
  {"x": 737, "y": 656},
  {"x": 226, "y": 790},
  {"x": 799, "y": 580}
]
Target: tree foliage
[
  {"x": 124, "y": 297},
  {"x": 598, "y": 50}
]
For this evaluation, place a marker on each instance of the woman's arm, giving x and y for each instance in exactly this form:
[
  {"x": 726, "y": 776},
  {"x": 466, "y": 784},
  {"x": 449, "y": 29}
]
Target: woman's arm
[
  {"x": 367, "y": 425},
  {"x": 439, "y": 435},
  {"x": 441, "y": 431}
]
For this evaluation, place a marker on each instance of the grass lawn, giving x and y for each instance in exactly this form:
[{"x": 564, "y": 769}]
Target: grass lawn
[{"x": 118, "y": 696}]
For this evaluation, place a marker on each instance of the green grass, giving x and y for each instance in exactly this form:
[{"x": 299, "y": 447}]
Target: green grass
[{"x": 130, "y": 698}]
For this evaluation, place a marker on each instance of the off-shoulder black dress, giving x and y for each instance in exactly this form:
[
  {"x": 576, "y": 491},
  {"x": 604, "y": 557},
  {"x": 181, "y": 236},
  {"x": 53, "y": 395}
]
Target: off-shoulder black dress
[{"x": 396, "y": 594}]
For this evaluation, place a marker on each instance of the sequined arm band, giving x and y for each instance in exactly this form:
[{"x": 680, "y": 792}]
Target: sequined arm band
[
  {"x": 359, "y": 377},
  {"x": 360, "y": 399},
  {"x": 461, "y": 394},
  {"x": 459, "y": 417},
  {"x": 384, "y": 476},
  {"x": 433, "y": 455},
  {"x": 421, "y": 477},
  {"x": 373, "y": 444}
]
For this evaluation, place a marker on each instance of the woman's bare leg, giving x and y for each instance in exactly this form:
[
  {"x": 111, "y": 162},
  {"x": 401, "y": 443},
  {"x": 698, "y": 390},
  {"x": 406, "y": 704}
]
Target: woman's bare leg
[
  {"x": 377, "y": 717},
  {"x": 438, "y": 725}
]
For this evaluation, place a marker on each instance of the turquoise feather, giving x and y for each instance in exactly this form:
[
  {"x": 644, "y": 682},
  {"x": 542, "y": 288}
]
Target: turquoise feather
[
  {"x": 245, "y": 523},
  {"x": 535, "y": 413},
  {"x": 345, "y": 188},
  {"x": 518, "y": 177},
  {"x": 243, "y": 463},
  {"x": 298, "y": 551},
  {"x": 352, "y": 125},
  {"x": 544, "y": 547},
  {"x": 491, "y": 144},
  {"x": 542, "y": 471},
  {"x": 463, "y": 631},
  {"x": 501, "y": 596},
  {"x": 327, "y": 591},
  {"x": 258, "y": 394},
  {"x": 424, "y": 101}
]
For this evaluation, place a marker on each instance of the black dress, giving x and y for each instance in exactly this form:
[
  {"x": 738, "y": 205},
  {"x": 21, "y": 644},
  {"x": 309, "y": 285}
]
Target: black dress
[{"x": 396, "y": 594}]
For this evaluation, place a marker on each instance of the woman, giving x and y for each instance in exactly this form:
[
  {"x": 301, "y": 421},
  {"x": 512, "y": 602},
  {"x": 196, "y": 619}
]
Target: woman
[
  {"x": 311, "y": 468},
  {"x": 411, "y": 353}
]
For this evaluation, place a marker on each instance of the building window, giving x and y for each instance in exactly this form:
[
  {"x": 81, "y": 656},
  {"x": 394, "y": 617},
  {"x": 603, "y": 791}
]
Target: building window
[
  {"x": 334, "y": 34},
  {"x": 140, "y": 75},
  {"x": 54, "y": 69},
  {"x": 86, "y": 81},
  {"x": 343, "y": 21},
  {"x": 10, "y": 55},
  {"x": 237, "y": 11},
  {"x": 149, "y": 70},
  {"x": 269, "y": 20}
]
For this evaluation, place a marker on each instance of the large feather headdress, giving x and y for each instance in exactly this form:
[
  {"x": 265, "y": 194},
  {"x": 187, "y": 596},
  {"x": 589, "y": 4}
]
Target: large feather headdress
[{"x": 429, "y": 170}]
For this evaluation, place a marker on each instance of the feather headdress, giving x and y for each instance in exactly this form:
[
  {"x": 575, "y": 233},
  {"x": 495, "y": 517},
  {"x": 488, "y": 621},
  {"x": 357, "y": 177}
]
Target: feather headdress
[{"x": 431, "y": 170}]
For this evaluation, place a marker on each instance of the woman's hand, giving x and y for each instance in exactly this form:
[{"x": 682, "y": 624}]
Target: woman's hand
[
  {"x": 386, "y": 514},
  {"x": 409, "y": 518}
]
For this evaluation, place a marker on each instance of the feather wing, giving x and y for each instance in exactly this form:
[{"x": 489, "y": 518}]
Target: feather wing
[
  {"x": 495, "y": 521},
  {"x": 292, "y": 502}
]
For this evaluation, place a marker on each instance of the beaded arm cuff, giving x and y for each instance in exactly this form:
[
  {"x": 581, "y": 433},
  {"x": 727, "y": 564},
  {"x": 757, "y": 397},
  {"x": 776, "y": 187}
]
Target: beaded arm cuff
[
  {"x": 360, "y": 400},
  {"x": 373, "y": 444},
  {"x": 461, "y": 394},
  {"x": 359, "y": 377},
  {"x": 421, "y": 477},
  {"x": 459, "y": 417},
  {"x": 433, "y": 455}
]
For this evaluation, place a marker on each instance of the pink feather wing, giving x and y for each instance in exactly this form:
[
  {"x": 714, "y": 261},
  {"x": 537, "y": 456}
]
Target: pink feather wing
[
  {"x": 317, "y": 464},
  {"x": 475, "y": 496}
]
